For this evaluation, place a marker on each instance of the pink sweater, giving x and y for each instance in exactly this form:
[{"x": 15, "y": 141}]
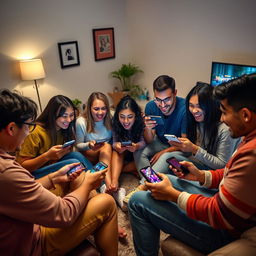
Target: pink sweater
[
  {"x": 24, "y": 205},
  {"x": 234, "y": 206}
]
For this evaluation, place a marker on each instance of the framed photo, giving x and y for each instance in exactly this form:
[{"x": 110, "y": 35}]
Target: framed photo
[
  {"x": 69, "y": 55},
  {"x": 104, "y": 43}
]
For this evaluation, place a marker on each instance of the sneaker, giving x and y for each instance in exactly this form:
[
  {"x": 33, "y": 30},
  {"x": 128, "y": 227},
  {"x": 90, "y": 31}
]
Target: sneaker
[
  {"x": 119, "y": 196},
  {"x": 103, "y": 188},
  {"x": 127, "y": 198}
]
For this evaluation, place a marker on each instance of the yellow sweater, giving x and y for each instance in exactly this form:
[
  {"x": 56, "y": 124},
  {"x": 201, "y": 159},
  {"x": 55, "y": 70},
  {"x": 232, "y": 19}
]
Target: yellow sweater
[{"x": 38, "y": 142}]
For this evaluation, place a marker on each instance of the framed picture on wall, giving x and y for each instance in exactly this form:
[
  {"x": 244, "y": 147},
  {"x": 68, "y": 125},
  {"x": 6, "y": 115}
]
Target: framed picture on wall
[
  {"x": 104, "y": 43},
  {"x": 69, "y": 55}
]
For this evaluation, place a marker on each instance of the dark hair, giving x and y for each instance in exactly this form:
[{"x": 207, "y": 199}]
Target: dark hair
[
  {"x": 88, "y": 114},
  {"x": 135, "y": 133},
  {"x": 239, "y": 92},
  {"x": 163, "y": 83},
  {"x": 15, "y": 108},
  {"x": 212, "y": 115},
  {"x": 55, "y": 108}
]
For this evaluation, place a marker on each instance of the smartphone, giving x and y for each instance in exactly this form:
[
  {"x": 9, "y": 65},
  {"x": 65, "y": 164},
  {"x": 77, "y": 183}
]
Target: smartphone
[
  {"x": 68, "y": 143},
  {"x": 100, "y": 141},
  {"x": 175, "y": 163},
  {"x": 126, "y": 143},
  {"x": 171, "y": 137},
  {"x": 99, "y": 167},
  {"x": 150, "y": 175},
  {"x": 76, "y": 168},
  {"x": 159, "y": 120}
]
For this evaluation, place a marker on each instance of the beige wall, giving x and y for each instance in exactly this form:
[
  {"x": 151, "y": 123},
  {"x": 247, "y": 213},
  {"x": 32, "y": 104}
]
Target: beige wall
[
  {"x": 176, "y": 37},
  {"x": 182, "y": 37},
  {"x": 34, "y": 27}
]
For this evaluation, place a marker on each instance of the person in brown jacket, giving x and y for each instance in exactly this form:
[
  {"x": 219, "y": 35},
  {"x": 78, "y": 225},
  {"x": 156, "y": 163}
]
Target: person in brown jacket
[{"x": 51, "y": 215}]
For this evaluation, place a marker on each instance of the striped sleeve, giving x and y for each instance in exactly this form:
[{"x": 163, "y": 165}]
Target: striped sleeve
[{"x": 234, "y": 206}]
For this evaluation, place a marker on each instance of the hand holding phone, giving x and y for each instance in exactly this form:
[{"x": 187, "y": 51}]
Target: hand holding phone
[
  {"x": 99, "y": 167},
  {"x": 175, "y": 164},
  {"x": 126, "y": 143},
  {"x": 171, "y": 137},
  {"x": 101, "y": 141},
  {"x": 68, "y": 143},
  {"x": 158, "y": 119},
  {"x": 150, "y": 175},
  {"x": 75, "y": 168}
]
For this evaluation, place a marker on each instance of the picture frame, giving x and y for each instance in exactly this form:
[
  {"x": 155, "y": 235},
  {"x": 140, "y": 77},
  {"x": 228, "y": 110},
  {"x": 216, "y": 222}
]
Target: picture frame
[
  {"x": 104, "y": 43},
  {"x": 69, "y": 54}
]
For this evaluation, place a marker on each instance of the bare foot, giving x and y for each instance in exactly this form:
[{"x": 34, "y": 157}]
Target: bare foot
[{"x": 121, "y": 232}]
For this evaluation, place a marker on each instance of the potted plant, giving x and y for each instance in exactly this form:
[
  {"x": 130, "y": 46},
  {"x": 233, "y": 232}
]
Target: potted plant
[
  {"x": 125, "y": 75},
  {"x": 77, "y": 103}
]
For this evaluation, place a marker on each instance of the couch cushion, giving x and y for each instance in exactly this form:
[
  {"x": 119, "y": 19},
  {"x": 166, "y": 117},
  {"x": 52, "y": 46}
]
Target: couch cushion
[{"x": 172, "y": 247}]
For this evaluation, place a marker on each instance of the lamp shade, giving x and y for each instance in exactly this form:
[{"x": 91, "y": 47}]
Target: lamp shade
[{"x": 31, "y": 69}]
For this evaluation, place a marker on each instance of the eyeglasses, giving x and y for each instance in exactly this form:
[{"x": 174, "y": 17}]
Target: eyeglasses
[
  {"x": 31, "y": 126},
  {"x": 165, "y": 101}
]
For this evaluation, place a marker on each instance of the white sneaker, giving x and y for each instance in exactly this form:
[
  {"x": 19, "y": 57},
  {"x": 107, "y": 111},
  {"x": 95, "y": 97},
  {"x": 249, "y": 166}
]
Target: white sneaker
[
  {"x": 119, "y": 196},
  {"x": 103, "y": 188}
]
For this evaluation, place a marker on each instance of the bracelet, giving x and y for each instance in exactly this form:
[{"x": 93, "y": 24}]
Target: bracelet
[{"x": 50, "y": 179}]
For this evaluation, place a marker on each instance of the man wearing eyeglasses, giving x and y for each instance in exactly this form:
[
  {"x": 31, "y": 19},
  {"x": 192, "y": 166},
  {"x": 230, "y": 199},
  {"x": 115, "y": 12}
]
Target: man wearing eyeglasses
[
  {"x": 55, "y": 213},
  {"x": 172, "y": 110}
]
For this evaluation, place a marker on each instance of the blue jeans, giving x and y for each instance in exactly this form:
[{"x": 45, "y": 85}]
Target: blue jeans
[
  {"x": 162, "y": 166},
  {"x": 148, "y": 216},
  {"x": 142, "y": 157},
  {"x": 72, "y": 157}
]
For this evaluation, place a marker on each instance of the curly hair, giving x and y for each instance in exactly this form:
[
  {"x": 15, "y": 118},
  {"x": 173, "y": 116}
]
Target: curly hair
[{"x": 136, "y": 131}]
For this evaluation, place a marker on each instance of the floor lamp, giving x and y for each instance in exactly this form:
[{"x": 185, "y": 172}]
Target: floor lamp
[{"x": 32, "y": 70}]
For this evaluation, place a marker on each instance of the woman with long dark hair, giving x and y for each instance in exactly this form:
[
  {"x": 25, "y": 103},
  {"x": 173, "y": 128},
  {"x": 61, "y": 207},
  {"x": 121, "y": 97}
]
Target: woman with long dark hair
[
  {"x": 42, "y": 151},
  {"x": 208, "y": 144},
  {"x": 128, "y": 137}
]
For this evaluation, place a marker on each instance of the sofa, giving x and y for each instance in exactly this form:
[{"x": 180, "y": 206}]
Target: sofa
[{"x": 245, "y": 246}]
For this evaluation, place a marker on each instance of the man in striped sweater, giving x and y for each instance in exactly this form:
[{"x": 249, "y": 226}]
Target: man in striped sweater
[{"x": 203, "y": 219}]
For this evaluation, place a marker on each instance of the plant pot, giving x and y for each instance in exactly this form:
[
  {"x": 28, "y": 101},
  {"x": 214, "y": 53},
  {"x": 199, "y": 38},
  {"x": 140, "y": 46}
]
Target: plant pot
[{"x": 117, "y": 96}]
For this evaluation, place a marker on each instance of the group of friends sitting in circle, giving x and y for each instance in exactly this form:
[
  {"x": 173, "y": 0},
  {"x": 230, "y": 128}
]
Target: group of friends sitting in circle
[{"x": 194, "y": 158}]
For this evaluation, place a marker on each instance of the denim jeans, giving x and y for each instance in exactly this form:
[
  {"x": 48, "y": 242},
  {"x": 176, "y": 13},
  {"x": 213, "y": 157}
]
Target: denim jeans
[
  {"x": 162, "y": 166},
  {"x": 142, "y": 157},
  {"x": 72, "y": 157},
  {"x": 148, "y": 216}
]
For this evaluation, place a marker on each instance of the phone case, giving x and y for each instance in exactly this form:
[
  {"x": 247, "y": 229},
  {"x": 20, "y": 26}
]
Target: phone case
[
  {"x": 99, "y": 167},
  {"x": 175, "y": 163},
  {"x": 126, "y": 143},
  {"x": 100, "y": 141},
  {"x": 158, "y": 119},
  {"x": 76, "y": 168},
  {"x": 68, "y": 143},
  {"x": 170, "y": 137},
  {"x": 150, "y": 175}
]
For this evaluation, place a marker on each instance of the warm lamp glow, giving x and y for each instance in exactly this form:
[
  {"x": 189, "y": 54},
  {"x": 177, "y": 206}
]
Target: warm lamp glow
[{"x": 32, "y": 69}]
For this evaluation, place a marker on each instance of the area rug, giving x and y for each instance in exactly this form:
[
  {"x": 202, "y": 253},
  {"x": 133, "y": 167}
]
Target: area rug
[{"x": 129, "y": 182}]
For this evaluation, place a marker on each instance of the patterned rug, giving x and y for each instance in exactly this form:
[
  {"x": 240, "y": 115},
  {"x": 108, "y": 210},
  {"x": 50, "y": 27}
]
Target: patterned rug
[{"x": 129, "y": 182}]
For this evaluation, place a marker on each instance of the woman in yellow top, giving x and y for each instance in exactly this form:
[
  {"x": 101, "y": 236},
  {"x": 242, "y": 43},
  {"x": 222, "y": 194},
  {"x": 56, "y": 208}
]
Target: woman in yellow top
[{"x": 42, "y": 151}]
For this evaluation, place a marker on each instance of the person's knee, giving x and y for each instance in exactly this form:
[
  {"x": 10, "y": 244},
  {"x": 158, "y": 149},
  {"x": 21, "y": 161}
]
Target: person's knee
[
  {"x": 138, "y": 198},
  {"x": 71, "y": 161},
  {"x": 104, "y": 203}
]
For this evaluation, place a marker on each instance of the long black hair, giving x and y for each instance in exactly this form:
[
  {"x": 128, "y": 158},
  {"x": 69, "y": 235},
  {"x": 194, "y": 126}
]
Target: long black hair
[
  {"x": 55, "y": 108},
  {"x": 212, "y": 114},
  {"x": 136, "y": 131}
]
